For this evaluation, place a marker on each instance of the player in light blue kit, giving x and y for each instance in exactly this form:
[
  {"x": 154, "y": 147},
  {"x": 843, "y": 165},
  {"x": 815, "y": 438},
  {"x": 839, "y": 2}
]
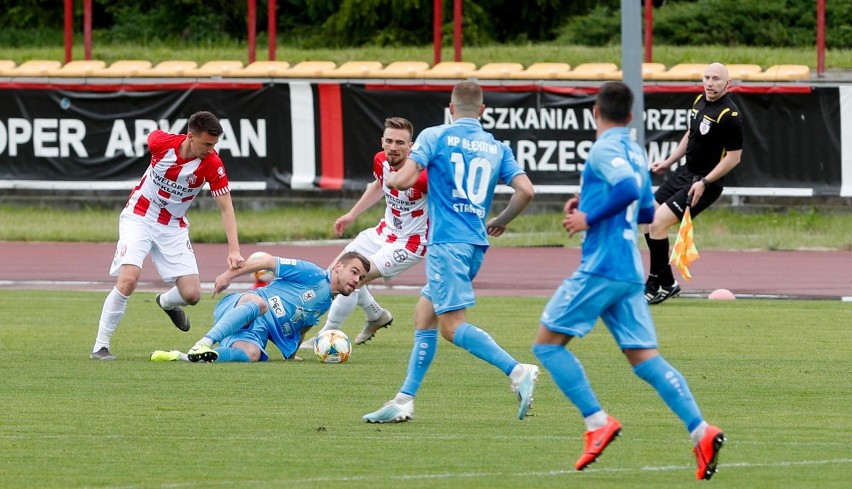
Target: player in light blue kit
[
  {"x": 281, "y": 312},
  {"x": 609, "y": 283},
  {"x": 464, "y": 165}
]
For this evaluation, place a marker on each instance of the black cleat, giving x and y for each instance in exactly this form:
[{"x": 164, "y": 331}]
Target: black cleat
[{"x": 176, "y": 314}]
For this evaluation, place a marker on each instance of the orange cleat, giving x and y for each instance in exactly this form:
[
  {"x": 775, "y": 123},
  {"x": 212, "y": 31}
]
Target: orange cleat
[
  {"x": 597, "y": 440},
  {"x": 707, "y": 452}
]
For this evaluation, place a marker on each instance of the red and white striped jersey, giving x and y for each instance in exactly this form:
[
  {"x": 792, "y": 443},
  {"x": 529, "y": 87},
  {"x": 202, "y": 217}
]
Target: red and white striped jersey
[
  {"x": 406, "y": 216},
  {"x": 170, "y": 184}
]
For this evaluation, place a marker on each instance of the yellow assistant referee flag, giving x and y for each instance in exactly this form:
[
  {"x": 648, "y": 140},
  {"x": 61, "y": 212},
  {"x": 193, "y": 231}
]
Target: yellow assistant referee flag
[{"x": 684, "y": 251}]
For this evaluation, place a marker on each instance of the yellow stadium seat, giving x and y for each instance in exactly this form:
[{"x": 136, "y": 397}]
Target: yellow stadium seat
[
  {"x": 782, "y": 73},
  {"x": 450, "y": 69},
  {"x": 34, "y": 67},
  {"x": 168, "y": 69},
  {"x": 542, "y": 71},
  {"x": 6, "y": 65},
  {"x": 79, "y": 68},
  {"x": 742, "y": 71},
  {"x": 404, "y": 69},
  {"x": 217, "y": 68},
  {"x": 310, "y": 69},
  {"x": 648, "y": 71},
  {"x": 263, "y": 69},
  {"x": 591, "y": 71},
  {"x": 682, "y": 71},
  {"x": 492, "y": 71},
  {"x": 124, "y": 69},
  {"x": 355, "y": 69}
]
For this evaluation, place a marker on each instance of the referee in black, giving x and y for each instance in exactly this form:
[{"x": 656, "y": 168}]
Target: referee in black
[{"x": 713, "y": 145}]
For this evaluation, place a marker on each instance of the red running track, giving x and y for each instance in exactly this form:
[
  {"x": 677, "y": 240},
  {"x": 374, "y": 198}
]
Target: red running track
[{"x": 506, "y": 271}]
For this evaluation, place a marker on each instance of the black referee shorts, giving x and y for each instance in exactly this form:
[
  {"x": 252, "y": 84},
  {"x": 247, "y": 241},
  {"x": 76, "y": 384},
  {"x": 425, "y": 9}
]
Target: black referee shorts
[{"x": 674, "y": 189}]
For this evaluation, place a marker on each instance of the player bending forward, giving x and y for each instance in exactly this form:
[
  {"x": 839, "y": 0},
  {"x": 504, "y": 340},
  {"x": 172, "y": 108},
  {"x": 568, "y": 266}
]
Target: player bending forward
[{"x": 396, "y": 244}]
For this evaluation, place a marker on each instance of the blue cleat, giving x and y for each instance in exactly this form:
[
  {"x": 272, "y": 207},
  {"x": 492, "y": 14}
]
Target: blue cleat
[
  {"x": 392, "y": 412},
  {"x": 524, "y": 388}
]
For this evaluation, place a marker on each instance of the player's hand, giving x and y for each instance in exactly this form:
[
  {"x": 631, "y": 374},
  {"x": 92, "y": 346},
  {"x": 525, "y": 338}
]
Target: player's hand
[
  {"x": 495, "y": 228},
  {"x": 235, "y": 260},
  {"x": 341, "y": 223},
  {"x": 223, "y": 281},
  {"x": 571, "y": 205},
  {"x": 575, "y": 222}
]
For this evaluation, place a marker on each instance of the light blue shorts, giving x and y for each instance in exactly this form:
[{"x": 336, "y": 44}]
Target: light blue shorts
[
  {"x": 256, "y": 333},
  {"x": 583, "y": 298},
  {"x": 450, "y": 270}
]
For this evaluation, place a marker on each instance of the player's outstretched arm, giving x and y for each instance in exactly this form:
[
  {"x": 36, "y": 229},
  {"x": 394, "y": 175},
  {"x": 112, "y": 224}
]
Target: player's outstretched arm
[
  {"x": 258, "y": 261},
  {"x": 405, "y": 178},
  {"x": 229, "y": 222},
  {"x": 372, "y": 194},
  {"x": 524, "y": 194}
]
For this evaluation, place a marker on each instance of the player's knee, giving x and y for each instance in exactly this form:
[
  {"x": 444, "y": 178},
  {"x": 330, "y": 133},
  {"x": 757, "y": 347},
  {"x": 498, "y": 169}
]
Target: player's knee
[{"x": 192, "y": 297}]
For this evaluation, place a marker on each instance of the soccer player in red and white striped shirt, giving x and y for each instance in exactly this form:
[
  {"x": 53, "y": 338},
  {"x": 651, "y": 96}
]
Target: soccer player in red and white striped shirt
[
  {"x": 397, "y": 243},
  {"x": 154, "y": 223}
]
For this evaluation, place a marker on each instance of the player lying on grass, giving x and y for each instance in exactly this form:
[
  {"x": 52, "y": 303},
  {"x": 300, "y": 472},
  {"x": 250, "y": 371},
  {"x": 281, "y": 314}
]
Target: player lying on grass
[{"x": 281, "y": 312}]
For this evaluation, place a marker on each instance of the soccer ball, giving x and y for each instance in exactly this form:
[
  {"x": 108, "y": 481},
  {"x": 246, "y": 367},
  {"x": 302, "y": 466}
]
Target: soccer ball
[{"x": 332, "y": 346}]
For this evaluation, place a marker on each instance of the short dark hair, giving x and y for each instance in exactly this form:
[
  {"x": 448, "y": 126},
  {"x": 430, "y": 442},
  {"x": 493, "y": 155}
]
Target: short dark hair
[
  {"x": 615, "y": 101},
  {"x": 400, "y": 123},
  {"x": 204, "y": 121},
  {"x": 354, "y": 255}
]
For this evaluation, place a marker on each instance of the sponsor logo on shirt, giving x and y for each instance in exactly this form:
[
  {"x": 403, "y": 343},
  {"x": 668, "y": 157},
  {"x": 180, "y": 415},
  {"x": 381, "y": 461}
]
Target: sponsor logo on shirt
[{"x": 277, "y": 306}]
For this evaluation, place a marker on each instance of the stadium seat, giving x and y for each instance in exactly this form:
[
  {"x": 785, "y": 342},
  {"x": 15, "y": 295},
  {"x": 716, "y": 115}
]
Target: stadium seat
[
  {"x": 6, "y": 65},
  {"x": 34, "y": 67},
  {"x": 682, "y": 71},
  {"x": 355, "y": 69},
  {"x": 648, "y": 71},
  {"x": 542, "y": 71},
  {"x": 124, "y": 68},
  {"x": 168, "y": 69},
  {"x": 78, "y": 68},
  {"x": 310, "y": 69},
  {"x": 591, "y": 71},
  {"x": 263, "y": 69},
  {"x": 403, "y": 69},
  {"x": 741, "y": 72},
  {"x": 782, "y": 73},
  {"x": 450, "y": 69},
  {"x": 217, "y": 68},
  {"x": 492, "y": 71}
]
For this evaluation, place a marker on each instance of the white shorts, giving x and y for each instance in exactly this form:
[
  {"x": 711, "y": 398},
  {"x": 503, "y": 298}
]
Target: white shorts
[
  {"x": 390, "y": 258},
  {"x": 169, "y": 247}
]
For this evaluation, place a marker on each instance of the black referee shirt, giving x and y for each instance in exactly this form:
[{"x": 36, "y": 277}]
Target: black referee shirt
[{"x": 714, "y": 128}]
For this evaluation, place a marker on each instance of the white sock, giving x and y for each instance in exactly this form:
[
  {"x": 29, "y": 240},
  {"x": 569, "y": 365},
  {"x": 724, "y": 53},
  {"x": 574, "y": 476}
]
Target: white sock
[
  {"x": 341, "y": 307},
  {"x": 401, "y": 398},
  {"x": 698, "y": 433},
  {"x": 114, "y": 306},
  {"x": 204, "y": 341},
  {"x": 371, "y": 308},
  {"x": 596, "y": 420},
  {"x": 183, "y": 357},
  {"x": 171, "y": 299}
]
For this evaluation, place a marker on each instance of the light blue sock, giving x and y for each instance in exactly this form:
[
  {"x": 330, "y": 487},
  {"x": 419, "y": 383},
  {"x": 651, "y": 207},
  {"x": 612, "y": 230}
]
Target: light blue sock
[
  {"x": 672, "y": 387},
  {"x": 233, "y": 321},
  {"x": 481, "y": 345},
  {"x": 232, "y": 355},
  {"x": 568, "y": 374},
  {"x": 422, "y": 354}
]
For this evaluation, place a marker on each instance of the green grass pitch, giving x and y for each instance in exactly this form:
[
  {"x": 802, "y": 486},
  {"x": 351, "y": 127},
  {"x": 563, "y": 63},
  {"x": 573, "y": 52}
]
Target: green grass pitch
[{"x": 775, "y": 375}]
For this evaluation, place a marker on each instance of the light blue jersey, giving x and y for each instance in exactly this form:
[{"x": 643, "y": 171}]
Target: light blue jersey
[
  {"x": 610, "y": 247},
  {"x": 297, "y": 299},
  {"x": 464, "y": 164}
]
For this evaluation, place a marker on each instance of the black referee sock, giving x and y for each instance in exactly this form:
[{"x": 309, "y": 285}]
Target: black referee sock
[{"x": 659, "y": 253}]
